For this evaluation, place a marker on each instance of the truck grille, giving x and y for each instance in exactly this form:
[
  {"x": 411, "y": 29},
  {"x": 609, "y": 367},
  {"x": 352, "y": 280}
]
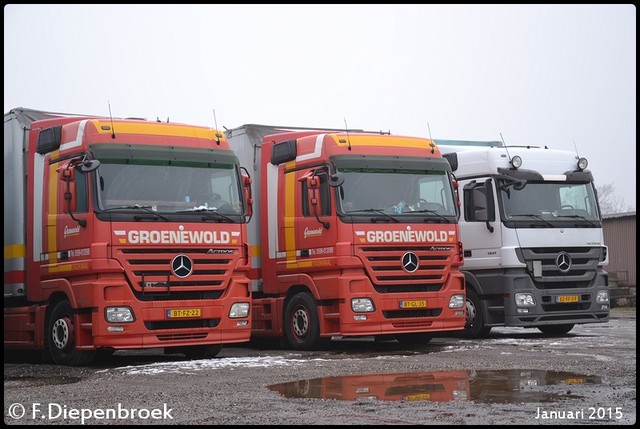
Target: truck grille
[
  {"x": 384, "y": 265},
  {"x": 579, "y": 273},
  {"x": 149, "y": 271}
]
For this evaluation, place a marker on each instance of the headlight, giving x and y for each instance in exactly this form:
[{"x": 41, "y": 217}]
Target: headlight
[
  {"x": 459, "y": 395},
  {"x": 119, "y": 315},
  {"x": 525, "y": 300},
  {"x": 239, "y": 310},
  {"x": 602, "y": 297},
  {"x": 456, "y": 301},
  {"x": 362, "y": 305}
]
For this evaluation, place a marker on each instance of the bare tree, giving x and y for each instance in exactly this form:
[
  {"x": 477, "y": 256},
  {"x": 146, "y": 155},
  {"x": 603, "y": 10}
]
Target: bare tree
[{"x": 610, "y": 202}]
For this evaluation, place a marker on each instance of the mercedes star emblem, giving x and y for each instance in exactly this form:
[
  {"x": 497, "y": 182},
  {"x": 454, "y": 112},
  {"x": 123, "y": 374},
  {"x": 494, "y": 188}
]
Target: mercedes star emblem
[
  {"x": 563, "y": 262},
  {"x": 182, "y": 266},
  {"x": 410, "y": 262}
]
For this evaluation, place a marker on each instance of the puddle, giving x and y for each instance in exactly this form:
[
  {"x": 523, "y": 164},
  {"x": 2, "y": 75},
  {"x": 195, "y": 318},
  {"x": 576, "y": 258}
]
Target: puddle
[{"x": 483, "y": 386}]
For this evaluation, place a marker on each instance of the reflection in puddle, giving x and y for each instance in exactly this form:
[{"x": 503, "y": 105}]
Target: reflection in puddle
[{"x": 499, "y": 386}]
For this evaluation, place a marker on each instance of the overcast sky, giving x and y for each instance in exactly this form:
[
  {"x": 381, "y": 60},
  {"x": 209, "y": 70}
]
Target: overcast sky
[{"x": 562, "y": 76}]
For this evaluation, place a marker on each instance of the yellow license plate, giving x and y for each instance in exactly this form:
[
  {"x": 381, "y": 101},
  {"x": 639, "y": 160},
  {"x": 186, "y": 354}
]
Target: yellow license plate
[
  {"x": 422, "y": 303},
  {"x": 574, "y": 381},
  {"x": 184, "y": 312},
  {"x": 418, "y": 397},
  {"x": 567, "y": 298}
]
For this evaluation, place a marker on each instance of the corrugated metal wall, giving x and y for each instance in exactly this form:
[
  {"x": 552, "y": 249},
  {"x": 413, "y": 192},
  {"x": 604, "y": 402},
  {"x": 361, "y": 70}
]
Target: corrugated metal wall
[{"x": 620, "y": 238}]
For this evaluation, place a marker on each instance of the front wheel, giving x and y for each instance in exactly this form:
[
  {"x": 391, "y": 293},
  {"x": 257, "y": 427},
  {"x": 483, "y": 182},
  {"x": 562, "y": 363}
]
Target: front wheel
[
  {"x": 474, "y": 326},
  {"x": 302, "y": 326},
  {"x": 61, "y": 337},
  {"x": 556, "y": 329}
]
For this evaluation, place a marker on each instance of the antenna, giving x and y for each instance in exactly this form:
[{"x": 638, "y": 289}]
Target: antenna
[
  {"x": 347, "y": 130},
  {"x": 576, "y": 148},
  {"x": 505, "y": 147},
  {"x": 113, "y": 130},
  {"x": 215, "y": 121},
  {"x": 429, "y": 128}
]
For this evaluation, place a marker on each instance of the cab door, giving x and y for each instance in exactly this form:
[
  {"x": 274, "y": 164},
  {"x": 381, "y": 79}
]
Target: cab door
[{"x": 316, "y": 237}]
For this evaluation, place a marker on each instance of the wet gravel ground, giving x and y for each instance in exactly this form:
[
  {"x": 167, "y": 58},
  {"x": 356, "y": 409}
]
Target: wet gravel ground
[{"x": 516, "y": 376}]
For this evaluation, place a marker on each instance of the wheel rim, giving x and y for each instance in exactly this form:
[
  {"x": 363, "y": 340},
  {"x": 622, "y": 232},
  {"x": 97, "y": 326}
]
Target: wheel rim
[
  {"x": 471, "y": 313},
  {"x": 61, "y": 333},
  {"x": 300, "y": 322}
]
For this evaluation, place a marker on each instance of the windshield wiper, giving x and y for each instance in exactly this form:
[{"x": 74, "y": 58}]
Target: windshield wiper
[
  {"x": 575, "y": 216},
  {"x": 430, "y": 211},
  {"x": 208, "y": 212},
  {"x": 373, "y": 211},
  {"x": 536, "y": 217},
  {"x": 138, "y": 207}
]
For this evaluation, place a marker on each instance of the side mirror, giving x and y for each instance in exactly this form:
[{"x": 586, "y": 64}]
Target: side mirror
[
  {"x": 336, "y": 180},
  {"x": 313, "y": 184},
  {"x": 68, "y": 175},
  {"x": 246, "y": 183},
  {"x": 88, "y": 165},
  {"x": 520, "y": 184}
]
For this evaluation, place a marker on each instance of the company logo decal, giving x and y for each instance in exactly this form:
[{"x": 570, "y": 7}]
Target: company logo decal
[
  {"x": 409, "y": 236},
  {"x": 410, "y": 262},
  {"x": 312, "y": 232},
  {"x": 182, "y": 266},
  {"x": 68, "y": 232},
  {"x": 563, "y": 262},
  {"x": 174, "y": 237}
]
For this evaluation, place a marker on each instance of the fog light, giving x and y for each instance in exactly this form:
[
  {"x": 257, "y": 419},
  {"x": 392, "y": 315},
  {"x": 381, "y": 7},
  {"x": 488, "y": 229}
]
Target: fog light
[
  {"x": 242, "y": 322},
  {"x": 239, "y": 310},
  {"x": 516, "y": 161},
  {"x": 525, "y": 300},
  {"x": 360, "y": 317},
  {"x": 522, "y": 310},
  {"x": 119, "y": 315},
  {"x": 582, "y": 163},
  {"x": 115, "y": 328}
]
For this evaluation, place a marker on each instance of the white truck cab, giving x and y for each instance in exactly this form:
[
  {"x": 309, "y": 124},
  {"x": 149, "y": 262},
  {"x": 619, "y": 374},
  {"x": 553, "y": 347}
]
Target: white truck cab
[{"x": 534, "y": 251}]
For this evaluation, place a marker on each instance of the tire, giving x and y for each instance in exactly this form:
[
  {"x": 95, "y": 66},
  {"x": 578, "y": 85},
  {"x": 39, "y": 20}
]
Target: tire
[
  {"x": 302, "y": 327},
  {"x": 556, "y": 329},
  {"x": 413, "y": 340},
  {"x": 61, "y": 337},
  {"x": 474, "y": 326},
  {"x": 201, "y": 352}
]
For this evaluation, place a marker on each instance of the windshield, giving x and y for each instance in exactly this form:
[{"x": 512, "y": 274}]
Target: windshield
[
  {"x": 396, "y": 192},
  {"x": 549, "y": 201},
  {"x": 169, "y": 188}
]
